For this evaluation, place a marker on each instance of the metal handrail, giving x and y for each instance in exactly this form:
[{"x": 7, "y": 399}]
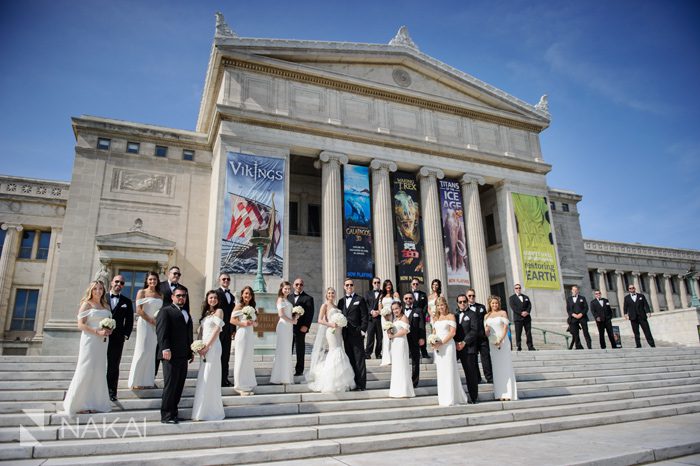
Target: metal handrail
[{"x": 544, "y": 333}]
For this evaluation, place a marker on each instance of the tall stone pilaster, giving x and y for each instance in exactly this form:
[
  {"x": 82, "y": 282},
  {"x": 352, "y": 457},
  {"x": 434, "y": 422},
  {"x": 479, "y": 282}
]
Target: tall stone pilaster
[
  {"x": 602, "y": 283},
  {"x": 654, "y": 292},
  {"x": 620, "y": 285},
  {"x": 685, "y": 302},
  {"x": 7, "y": 268},
  {"x": 478, "y": 262},
  {"x": 435, "y": 266},
  {"x": 333, "y": 252},
  {"x": 668, "y": 292},
  {"x": 384, "y": 255}
]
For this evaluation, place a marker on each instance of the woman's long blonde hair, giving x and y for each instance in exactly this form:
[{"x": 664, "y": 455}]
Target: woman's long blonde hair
[
  {"x": 88, "y": 293},
  {"x": 441, "y": 300},
  {"x": 488, "y": 303}
]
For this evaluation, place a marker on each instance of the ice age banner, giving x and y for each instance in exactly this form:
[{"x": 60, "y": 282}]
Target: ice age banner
[
  {"x": 453, "y": 233},
  {"x": 409, "y": 242},
  {"x": 254, "y": 207},
  {"x": 536, "y": 241},
  {"x": 358, "y": 231}
]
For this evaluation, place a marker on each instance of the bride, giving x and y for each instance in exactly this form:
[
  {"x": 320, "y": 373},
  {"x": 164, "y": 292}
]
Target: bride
[{"x": 330, "y": 370}]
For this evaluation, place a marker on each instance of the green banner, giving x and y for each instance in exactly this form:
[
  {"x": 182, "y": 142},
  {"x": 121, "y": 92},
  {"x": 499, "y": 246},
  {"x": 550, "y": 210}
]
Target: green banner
[{"x": 536, "y": 242}]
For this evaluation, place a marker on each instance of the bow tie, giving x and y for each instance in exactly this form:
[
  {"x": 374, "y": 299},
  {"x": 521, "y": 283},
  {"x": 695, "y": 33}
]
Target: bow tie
[
  {"x": 113, "y": 296},
  {"x": 227, "y": 291},
  {"x": 348, "y": 296},
  {"x": 297, "y": 294}
]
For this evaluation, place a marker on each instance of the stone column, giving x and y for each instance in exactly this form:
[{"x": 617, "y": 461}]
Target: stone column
[
  {"x": 653, "y": 292},
  {"x": 620, "y": 285},
  {"x": 682, "y": 291},
  {"x": 669, "y": 294},
  {"x": 602, "y": 283},
  {"x": 478, "y": 262},
  {"x": 636, "y": 281},
  {"x": 7, "y": 269},
  {"x": 696, "y": 283},
  {"x": 435, "y": 266},
  {"x": 333, "y": 249},
  {"x": 384, "y": 253}
]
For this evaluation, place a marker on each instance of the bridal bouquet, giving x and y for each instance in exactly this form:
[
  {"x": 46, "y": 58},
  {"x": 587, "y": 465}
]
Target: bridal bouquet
[
  {"x": 339, "y": 320},
  {"x": 298, "y": 310},
  {"x": 385, "y": 312},
  {"x": 389, "y": 327},
  {"x": 197, "y": 346},
  {"x": 433, "y": 339},
  {"x": 109, "y": 324},
  {"x": 249, "y": 313}
]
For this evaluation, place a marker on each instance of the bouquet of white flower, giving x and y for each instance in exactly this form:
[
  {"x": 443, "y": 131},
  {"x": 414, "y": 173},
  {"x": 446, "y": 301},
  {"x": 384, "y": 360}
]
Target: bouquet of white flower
[
  {"x": 389, "y": 327},
  {"x": 385, "y": 312},
  {"x": 109, "y": 324},
  {"x": 197, "y": 346},
  {"x": 339, "y": 320},
  {"x": 298, "y": 310},
  {"x": 433, "y": 339},
  {"x": 249, "y": 313}
]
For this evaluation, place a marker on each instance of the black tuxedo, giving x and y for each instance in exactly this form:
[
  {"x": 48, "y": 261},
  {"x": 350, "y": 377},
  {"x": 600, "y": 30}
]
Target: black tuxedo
[
  {"x": 227, "y": 332},
  {"x": 374, "y": 327},
  {"x": 176, "y": 335},
  {"x": 167, "y": 293},
  {"x": 420, "y": 301},
  {"x": 307, "y": 302},
  {"x": 356, "y": 313},
  {"x": 470, "y": 332},
  {"x": 517, "y": 307},
  {"x": 416, "y": 319},
  {"x": 578, "y": 306},
  {"x": 482, "y": 342},
  {"x": 637, "y": 312},
  {"x": 603, "y": 319},
  {"x": 123, "y": 313}
]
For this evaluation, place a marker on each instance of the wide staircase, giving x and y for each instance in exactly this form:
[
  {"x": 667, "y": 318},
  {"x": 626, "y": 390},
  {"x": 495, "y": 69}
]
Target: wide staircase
[{"x": 559, "y": 390}]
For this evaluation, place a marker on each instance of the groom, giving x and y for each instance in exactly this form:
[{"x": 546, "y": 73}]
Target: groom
[{"x": 354, "y": 308}]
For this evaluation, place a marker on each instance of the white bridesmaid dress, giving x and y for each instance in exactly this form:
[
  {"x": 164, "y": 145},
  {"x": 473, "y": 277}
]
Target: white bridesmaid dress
[
  {"x": 401, "y": 385},
  {"x": 208, "y": 405},
  {"x": 143, "y": 362},
  {"x": 243, "y": 369},
  {"x": 450, "y": 390},
  {"x": 504, "y": 385},
  {"x": 282, "y": 368}
]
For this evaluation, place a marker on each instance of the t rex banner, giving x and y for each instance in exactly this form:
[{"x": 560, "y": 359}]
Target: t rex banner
[{"x": 409, "y": 242}]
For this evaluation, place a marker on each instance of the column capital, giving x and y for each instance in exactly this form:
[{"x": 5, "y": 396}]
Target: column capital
[
  {"x": 431, "y": 172},
  {"x": 635, "y": 273},
  {"x": 383, "y": 165},
  {"x": 469, "y": 179},
  {"x": 651, "y": 275},
  {"x": 327, "y": 156},
  {"x": 601, "y": 271},
  {"x": 619, "y": 272},
  {"x": 668, "y": 275},
  {"x": 16, "y": 226}
]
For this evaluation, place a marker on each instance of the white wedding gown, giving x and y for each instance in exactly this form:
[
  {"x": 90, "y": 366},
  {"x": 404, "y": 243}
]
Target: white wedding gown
[
  {"x": 282, "y": 368},
  {"x": 243, "y": 369},
  {"x": 386, "y": 341},
  {"x": 401, "y": 385},
  {"x": 207, "y": 396},
  {"x": 143, "y": 362},
  {"x": 450, "y": 390},
  {"x": 88, "y": 388},
  {"x": 333, "y": 373},
  {"x": 504, "y": 385}
]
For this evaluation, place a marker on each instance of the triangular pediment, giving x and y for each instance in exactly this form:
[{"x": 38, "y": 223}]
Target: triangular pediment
[{"x": 134, "y": 240}]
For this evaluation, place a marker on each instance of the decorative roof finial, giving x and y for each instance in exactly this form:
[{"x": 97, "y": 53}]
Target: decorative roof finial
[
  {"x": 403, "y": 39},
  {"x": 543, "y": 104},
  {"x": 222, "y": 29}
]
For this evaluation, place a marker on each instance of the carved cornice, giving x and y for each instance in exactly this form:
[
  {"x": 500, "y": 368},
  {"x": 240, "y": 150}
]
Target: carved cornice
[
  {"x": 383, "y": 165},
  {"x": 629, "y": 249},
  {"x": 33, "y": 188}
]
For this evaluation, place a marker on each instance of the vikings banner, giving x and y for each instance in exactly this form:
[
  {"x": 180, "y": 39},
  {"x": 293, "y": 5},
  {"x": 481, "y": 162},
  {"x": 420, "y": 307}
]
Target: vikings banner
[
  {"x": 253, "y": 208},
  {"x": 453, "y": 233},
  {"x": 536, "y": 241},
  {"x": 358, "y": 231},
  {"x": 409, "y": 243}
]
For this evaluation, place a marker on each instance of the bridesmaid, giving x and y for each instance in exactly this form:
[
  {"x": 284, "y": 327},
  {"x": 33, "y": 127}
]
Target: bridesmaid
[
  {"x": 435, "y": 293},
  {"x": 243, "y": 369},
  {"x": 282, "y": 370},
  {"x": 401, "y": 385},
  {"x": 449, "y": 384},
  {"x": 207, "y": 396},
  {"x": 496, "y": 325},
  {"x": 386, "y": 298},
  {"x": 143, "y": 363},
  {"x": 88, "y": 391}
]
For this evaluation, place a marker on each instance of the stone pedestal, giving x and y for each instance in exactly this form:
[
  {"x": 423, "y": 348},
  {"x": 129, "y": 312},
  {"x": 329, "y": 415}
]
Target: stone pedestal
[
  {"x": 384, "y": 255},
  {"x": 435, "y": 266},
  {"x": 478, "y": 262}
]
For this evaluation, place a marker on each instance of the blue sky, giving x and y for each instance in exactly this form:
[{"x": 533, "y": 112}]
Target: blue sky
[{"x": 622, "y": 78}]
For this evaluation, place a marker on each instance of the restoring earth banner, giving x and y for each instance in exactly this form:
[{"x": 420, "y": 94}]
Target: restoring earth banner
[
  {"x": 409, "y": 242},
  {"x": 358, "y": 217},
  {"x": 453, "y": 233}
]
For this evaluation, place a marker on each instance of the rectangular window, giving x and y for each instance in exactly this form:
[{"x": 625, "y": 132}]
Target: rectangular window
[
  {"x": 610, "y": 281},
  {"x": 42, "y": 252},
  {"x": 27, "y": 244},
  {"x": 161, "y": 151},
  {"x": 552, "y": 205},
  {"x": 293, "y": 218},
  {"x": 103, "y": 143},
  {"x": 188, "y": 155},
  {"x": 24, "y": 313},
  {"x": 314, "y": 223},
  {"x": 565, "y": 207},
  {"x": 490, "y": 225},
  {"x": 133, "y": 282},
  {"x": 133, "y": 147}
]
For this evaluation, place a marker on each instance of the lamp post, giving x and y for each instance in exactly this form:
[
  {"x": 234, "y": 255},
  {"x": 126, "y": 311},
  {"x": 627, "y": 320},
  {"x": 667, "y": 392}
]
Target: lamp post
[{"x": 259, "y": 282}]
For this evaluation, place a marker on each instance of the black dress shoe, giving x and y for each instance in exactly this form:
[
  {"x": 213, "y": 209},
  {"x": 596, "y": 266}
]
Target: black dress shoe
[
  {"x": 472, "y": 402},
  {"x": 368, "y": 357},
  {"x": 481, "y": 381},
  {"x": 112, "y": 397},
  {"x": 169, "y": 421},
  {"x": 298, "y": 374},
  {"x": 535, "y": 349},
  {"x": 226, "y": 383}
]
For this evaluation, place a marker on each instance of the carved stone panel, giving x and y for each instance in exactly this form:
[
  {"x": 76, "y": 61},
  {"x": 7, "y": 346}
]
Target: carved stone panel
[
  {"x": 404, "y": 119},
  {"x": 519, "y": 141},
  {"x": 308, "y": 102},
  {"x": 357, "y": 111},
  {"x": 487, "y": 136},
  {"x": 142, "y": 182},
  {"x": 258, "y": 93},
  {"x": 448, "y": 128}
]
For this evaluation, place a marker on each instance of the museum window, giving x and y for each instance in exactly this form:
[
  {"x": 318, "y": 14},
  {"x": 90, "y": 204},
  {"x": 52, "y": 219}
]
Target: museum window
[
  {"x": 490, "y": 225},
  {"x": 564, "y": 207},
  {"x": 133, "y": 147},
  {"x": 293, "y": 218},
  {"x": 42, "y": 250},
  {"x": 188, "y": 155},
  {"x": 552, "y": 205},
  {"x": 314, "y": 223},
  {"x": 34, "y": 245},
  {"x": 134, "y": 279},
  {"x": 103, "y": 143},
  {"x": 161, "y": 151},
  {"x": 26, "y": 245},
  {"x": 24, "y": 312}
]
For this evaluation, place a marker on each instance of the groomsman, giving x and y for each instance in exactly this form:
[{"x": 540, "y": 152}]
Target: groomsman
[
  {"x": 300, "y": 298},
  {"x": 167, "y": 288},
  {"x": 123, "y": 312},
  {"x": 521, "y": 306},
  {"x": 174, "y": 330},
  {"x": 354, "y": 308},
  {"x": 466, "y": 338},
  {"x": 636, "y": 310},
  {"x": 420, "y": 301},
  {"x": 374, "y": 328},
  {"x": 577, "y": 308},
  {"x": 602, "y": 312},
  {"x": 416, "y": 337},
  {"x": 482, "y": 341},
  {"x": 227, "y": 301}
]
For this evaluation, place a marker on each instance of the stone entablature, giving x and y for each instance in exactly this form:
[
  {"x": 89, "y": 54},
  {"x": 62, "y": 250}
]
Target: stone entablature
[
  {"x": 34, "y": 188},
  {"x": 632, "y": 249}
]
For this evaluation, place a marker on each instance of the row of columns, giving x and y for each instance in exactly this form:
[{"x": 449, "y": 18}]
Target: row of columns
[
  {"x": 653, "y": 290},
  {"x": 333, "y": 257}
]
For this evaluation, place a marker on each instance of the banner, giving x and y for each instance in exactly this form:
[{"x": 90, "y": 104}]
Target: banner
[
  {"x": 254, "y": 207},
  {"x": 409, "y": 243},
  {"x": 453, "y": 233},
  {"x": 536, "y": 241},
  {"x": 358, "y": 222}
]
